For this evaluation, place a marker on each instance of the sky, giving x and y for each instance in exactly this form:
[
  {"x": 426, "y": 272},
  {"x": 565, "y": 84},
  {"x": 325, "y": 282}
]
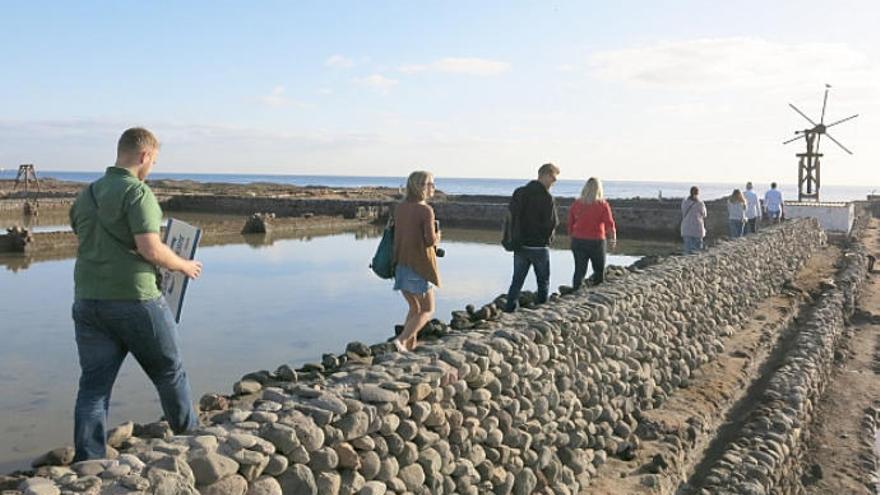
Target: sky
[{"x": 626, "y": 90}]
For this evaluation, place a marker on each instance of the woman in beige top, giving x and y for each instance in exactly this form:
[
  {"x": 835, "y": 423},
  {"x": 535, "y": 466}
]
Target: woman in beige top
[{"x": 415, "y": 258}]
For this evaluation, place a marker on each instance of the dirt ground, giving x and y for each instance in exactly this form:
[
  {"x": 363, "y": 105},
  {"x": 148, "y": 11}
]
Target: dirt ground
[{"x": 840, "y": 443}]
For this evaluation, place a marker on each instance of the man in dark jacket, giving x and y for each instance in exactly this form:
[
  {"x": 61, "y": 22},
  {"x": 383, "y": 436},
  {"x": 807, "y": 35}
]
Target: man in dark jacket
[{"x": 533, "y": 220}]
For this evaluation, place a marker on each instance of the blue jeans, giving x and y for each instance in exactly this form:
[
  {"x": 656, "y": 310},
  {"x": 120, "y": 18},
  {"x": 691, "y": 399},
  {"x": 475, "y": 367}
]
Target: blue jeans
[
  {"x": 523, "y": 258},
  {"x": 106, "y": 331},
  {"x": 588, "y": 251},
  {"x": 736, "y": 228},
  {"x": 692, "y": 244}
]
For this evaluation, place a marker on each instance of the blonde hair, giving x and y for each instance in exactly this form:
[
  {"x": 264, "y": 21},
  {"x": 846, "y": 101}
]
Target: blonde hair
[
  {"x": 415, "y": 185},
  {"x": 737, "y": 197},
  {"x": 136, "y": 140},
  {"x": 592, "y": 191}
]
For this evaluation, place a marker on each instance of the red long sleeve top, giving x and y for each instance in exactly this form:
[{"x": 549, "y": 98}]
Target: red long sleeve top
[{"x": 590, "y": 221}]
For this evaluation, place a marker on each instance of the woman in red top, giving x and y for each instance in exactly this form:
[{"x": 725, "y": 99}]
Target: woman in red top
[{"x": 589, "y": 221}]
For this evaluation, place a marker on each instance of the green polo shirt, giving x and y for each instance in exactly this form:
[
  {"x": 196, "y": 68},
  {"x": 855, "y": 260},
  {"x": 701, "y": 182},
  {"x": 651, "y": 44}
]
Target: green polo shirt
[{"x": 107, "y": 263}]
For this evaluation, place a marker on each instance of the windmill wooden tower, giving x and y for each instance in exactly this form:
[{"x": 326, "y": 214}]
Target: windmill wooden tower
[
  {"x": 27, "y": 175},
  {"x": 809, "y": 178}
]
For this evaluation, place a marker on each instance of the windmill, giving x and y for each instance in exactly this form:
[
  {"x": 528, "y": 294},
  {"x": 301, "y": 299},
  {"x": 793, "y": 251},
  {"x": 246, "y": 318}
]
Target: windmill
[
  {"x": 808, "y": 165},
  {"x": 27, "y": 175}
]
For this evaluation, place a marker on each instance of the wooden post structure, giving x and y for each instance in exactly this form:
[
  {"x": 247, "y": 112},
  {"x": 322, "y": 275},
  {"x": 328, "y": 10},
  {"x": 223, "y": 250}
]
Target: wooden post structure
[
  {"x": 808, "y": 170},
  {"x": 26, "y": 175}
]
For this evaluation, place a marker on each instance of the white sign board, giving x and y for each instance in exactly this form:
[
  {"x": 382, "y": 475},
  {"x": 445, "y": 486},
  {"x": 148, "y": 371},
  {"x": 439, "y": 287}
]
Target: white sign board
[{"x": 183, "y": 239}]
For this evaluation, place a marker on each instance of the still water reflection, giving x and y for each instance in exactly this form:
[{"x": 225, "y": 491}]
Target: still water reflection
[
  {"x": 256, "y": 306},
  {"x": 49, "y": 220}
]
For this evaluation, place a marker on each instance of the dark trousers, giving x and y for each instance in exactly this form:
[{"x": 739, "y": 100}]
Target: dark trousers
[
  {"x": 588, "y": 251},
  {"x": 106, "y": 331},
  {"x": 523, "y": 258},
  {"x": 752, "y": 226}
]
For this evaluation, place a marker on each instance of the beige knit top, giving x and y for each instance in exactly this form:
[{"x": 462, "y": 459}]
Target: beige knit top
[{"x": 415, "y": 239}]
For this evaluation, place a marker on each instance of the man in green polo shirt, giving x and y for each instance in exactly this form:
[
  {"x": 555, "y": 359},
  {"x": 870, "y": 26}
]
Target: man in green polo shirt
[{"x": 117, "y": 306}]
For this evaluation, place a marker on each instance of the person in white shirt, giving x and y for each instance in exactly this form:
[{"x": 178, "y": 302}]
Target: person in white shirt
[
  {"x": 753, "y": 209},
  {"x": 736, "y": 213},
  {"x": 773, "y": 203}
]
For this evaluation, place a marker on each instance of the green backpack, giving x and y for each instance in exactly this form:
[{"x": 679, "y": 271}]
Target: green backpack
[{"x": 383, "y": 261}]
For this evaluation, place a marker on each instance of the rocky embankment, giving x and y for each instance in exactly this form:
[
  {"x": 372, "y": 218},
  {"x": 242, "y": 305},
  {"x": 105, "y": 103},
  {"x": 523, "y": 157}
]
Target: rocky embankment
[
  {"x": 534, "y": 402},
  {"x": 52, "y": 188}
]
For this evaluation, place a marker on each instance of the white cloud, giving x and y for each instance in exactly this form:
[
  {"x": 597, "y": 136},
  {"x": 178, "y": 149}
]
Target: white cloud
[
  {"x": 78, "y": 144},
  {"x": 731, "y": 63},
  {"x": 377, "y": 81},
  {"x": 278, "y": 98},
  {"x": 461, "y": 65},
  {"x": 339, "y": 62}
]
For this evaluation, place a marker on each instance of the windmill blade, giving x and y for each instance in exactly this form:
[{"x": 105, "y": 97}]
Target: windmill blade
[
  {"x": 802, "y": 114},
  {"x": 838, "y": 143},
  {"x": 842, "y": 120},
  {"x": 793, "y": 139},
  {"x": 824, "y": 104}
]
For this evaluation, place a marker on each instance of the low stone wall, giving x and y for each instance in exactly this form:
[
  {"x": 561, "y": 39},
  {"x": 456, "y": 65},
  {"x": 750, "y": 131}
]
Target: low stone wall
[
  {"x": 871, "y": 423},
  {"x": 874, "y": 206},
  {"x": 634, "y": 217},
  {"x": 222, "y": 232},
  {"x": 531, "y": 403},
  {"x": 282, "y": 207},
  {"x": 16, "y": 204},
  {"x": 766, "y": 457}
]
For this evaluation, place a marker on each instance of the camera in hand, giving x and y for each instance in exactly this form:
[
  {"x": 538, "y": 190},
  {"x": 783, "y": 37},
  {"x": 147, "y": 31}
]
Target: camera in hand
[{"x": 439, "y": 251}]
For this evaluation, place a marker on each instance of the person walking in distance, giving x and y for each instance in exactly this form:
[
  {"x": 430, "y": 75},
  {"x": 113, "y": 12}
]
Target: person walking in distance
[
  {"x": 693, "y": 227},
  {"x": 533, "y": 213},
  {"x": 589, "y": 222},
  {"x": 415, "y": 256},
  {"x": 117, "y": 306},
  {"x": 773, "y": 203},
  {"x": 736, "y": 214},
  {"x": 753, "y": 210}
]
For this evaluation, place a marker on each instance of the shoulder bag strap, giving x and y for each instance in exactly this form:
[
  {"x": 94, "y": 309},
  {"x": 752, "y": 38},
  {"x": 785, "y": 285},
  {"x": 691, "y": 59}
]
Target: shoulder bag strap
[
  {"x": 689, "y": 208},
  {"x": 104, "y": 228}
]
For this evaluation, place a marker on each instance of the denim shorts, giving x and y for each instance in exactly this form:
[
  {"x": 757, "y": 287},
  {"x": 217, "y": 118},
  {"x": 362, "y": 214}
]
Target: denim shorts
[{"x": 407, "y": 280}]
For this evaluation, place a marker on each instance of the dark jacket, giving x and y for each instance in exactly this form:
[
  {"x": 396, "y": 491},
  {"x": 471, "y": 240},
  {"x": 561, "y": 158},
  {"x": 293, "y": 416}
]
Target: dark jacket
[{"x": 533, "y": 215}]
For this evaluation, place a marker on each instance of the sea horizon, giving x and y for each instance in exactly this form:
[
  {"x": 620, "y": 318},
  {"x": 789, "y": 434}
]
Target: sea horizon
[{"x": 614, "y": 189}]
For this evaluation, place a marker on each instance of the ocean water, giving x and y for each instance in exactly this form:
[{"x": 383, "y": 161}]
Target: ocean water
[{"x": 495, "y": 187}]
